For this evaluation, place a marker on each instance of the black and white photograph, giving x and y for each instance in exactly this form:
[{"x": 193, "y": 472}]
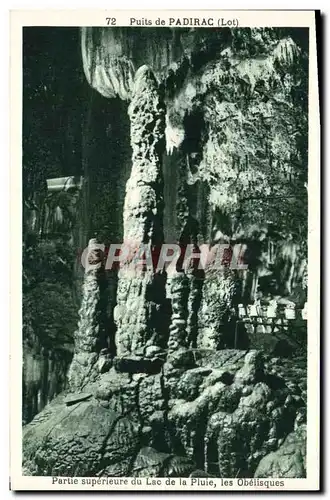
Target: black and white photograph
[{"x": 165, "y": 218}]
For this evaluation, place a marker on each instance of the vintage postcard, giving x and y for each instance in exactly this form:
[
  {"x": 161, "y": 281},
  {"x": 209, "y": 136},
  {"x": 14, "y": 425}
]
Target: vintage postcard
[{"x": 165, "y": 207}]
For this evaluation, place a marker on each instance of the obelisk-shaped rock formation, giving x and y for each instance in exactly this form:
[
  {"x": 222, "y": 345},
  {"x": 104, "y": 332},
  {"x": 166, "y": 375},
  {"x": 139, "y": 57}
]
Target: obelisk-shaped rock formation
[
  {"x": 90, "y": 335},
  {"x": 141, "y": 292}
]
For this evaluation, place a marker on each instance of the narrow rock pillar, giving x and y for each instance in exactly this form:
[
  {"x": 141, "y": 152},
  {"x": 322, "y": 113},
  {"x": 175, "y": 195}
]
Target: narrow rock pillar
[
  {"x": 89, "y": 338},
  {"x": 139, "y": 297}
]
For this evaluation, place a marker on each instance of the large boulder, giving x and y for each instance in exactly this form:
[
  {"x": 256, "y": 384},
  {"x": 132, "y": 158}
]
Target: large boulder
[
  {"x": 289, "y": 460},
  {"x": 84, "y": 439}
]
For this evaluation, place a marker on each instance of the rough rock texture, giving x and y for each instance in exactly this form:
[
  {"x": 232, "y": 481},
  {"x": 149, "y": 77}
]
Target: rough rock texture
[
  {"x": 84, "y": 440},
  {"x": 151, "y": 463},
  {"x": 119, "y": 76},
  {"x": 216, "y": 304},
  {"x": 141, "y": 294},
  {"x": 218, "y": 412},
  {"x": 194, "y": 301},
  {"x": 289, "y": 460},
  {"x": 144, "y": 187},
  {"x": 178, "y": 285},
  {"x": 90, "y": 335},
  {"x": 294, "y": 372}
]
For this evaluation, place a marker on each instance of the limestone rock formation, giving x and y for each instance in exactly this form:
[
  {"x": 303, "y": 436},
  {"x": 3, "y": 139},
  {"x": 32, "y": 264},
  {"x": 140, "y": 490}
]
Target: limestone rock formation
[
  {"x": 67, "y": 444},
  {"x": 289, "y": 460},
  {"x": 215, "y": 309},
  {"x": 110, "y": 73},
  {"x": 90, "y": 335},
  {"x": 178, "y": 285},
  {"x": 141, "y": 293},
  {"x": 150, "y": 463},
  {"x": 218, "y": 412}
]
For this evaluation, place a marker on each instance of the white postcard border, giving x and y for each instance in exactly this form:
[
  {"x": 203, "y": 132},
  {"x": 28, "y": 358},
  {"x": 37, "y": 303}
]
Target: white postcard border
[{"x": 86, "y": 17}]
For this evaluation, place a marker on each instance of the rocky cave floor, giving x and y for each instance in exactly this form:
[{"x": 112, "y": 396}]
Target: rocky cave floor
[{"x": 228, "y": 413}]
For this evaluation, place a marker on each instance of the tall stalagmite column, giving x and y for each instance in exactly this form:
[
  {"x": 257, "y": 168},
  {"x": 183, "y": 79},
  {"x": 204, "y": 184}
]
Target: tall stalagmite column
[
  {"x": 89, "y": 338},
  {"x": 141, "y": 293}
]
